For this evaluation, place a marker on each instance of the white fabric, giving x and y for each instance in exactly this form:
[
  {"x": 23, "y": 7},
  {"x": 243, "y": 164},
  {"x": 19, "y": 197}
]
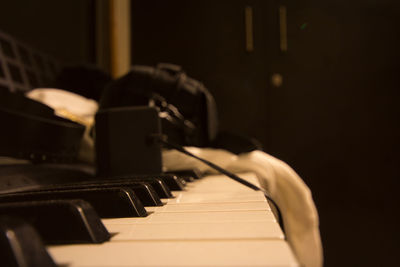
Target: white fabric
[
  {"x": 60, "y": 100},
  {"x": 287, "y": 189},
  {"x": 74, "y": 107}
]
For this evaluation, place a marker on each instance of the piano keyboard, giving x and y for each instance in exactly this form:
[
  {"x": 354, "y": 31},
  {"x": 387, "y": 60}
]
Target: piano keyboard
[{"x": 215, "y": 221}]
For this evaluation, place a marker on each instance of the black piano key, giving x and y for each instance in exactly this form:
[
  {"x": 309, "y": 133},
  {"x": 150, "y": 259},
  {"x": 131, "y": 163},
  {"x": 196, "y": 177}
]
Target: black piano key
[
  {"x": 60, "y": 221},
  {"x": 144, "y": 191},
  {"x": 173, "y": 181},
  {"x": 158, "y": 184},
  {"x": 108, "y": 202},
  {"x": 21, "y": 246},
  {"x": 186, "y": 178},
  {"x": 194, "y": 173}
]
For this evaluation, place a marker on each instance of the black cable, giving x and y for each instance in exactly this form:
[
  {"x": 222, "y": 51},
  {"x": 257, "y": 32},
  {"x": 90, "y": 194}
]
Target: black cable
[{"x": 164, "y": 140}]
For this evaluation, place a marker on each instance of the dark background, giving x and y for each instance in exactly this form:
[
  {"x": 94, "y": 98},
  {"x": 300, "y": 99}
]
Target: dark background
[
  {"x": 335, "y": 119},
  {"x": 64, "y": 29}
]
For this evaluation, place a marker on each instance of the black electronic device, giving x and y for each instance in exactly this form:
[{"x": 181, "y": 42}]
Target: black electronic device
[{"x": 123, "y": 146}]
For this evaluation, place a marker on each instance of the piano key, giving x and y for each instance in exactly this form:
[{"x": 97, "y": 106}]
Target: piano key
[
  {"x": 144, "y": 191},
  {"x": 196, "y": 231},
  {"x": 216, "y": 197},
  {"x": 199, "y": 209},
  {"x": 173, "y": 181},
  {"x": 146, "y": 194},
  {"x": 21, "y": 246},
  {"x": 108, "y": 202},
  {"x": 194, "y": 173},
  {"x": 187, "y": 253},
  {"x": 209, "y": 207},
  {"x": 158, "y": 184},
  {"x": 60, "y": 221},
  {"x": 221, "y": 216},
  {"x": 186, "y": 178}
]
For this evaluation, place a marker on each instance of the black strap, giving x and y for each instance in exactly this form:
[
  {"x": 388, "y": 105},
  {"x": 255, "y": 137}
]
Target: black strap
[{"x": 30, "y": 130}]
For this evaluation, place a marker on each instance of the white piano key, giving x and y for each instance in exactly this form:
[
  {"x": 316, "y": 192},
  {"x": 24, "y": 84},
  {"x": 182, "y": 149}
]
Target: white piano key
[
  {"x": 202, "y": 207},
  {"x": 222, "y": 216},
  {"x": 196, "y": 231},
  {"x": 216, "y": 197},
  {"x": 193, "y": 217},
  {"x": 176, "y": 253}
]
